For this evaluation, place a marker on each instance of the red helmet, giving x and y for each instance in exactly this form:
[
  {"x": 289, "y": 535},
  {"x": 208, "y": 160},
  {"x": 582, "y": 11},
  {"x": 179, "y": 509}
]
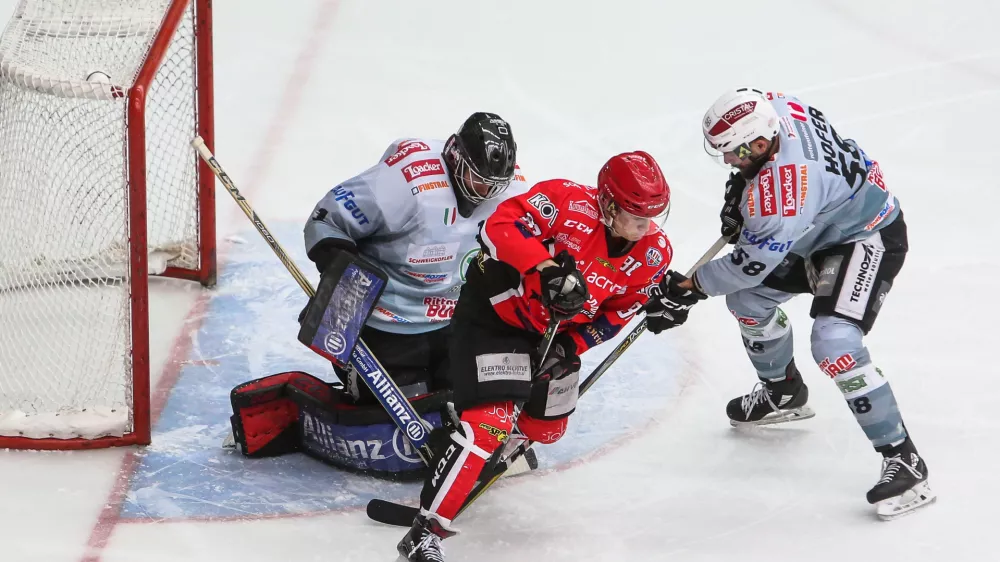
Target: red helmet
[{"x": 634, "y": 182}]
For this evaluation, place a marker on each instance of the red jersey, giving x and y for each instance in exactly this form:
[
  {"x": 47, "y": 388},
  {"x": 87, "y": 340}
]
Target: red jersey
[{"x": 558, "y": 215}]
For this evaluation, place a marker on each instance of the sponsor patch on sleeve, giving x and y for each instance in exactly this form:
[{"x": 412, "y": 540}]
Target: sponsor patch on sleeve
[
  {"x": 787, "y": 176},
  {"x": 768, "y": 198},
  {"x": 405, "y": 149},
  {"x": 653, "y": 257}
]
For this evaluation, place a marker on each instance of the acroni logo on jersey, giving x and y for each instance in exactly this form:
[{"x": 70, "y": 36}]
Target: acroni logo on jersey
[{"x": 602, "y": 282}]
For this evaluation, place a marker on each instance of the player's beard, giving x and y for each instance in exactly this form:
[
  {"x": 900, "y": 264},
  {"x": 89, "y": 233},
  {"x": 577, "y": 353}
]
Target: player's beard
[{"x": 755, "y": 165}]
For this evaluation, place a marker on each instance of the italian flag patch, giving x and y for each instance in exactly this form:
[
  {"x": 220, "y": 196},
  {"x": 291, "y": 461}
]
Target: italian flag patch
[{"x": 450, "y": 215}]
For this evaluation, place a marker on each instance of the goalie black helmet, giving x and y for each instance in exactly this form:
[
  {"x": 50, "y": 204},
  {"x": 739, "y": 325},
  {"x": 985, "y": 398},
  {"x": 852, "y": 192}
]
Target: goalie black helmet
[{"x": 481, "y": 156}]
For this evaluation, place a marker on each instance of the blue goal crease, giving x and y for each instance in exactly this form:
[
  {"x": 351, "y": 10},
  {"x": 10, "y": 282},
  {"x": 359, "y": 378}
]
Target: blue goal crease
[{"x": 249, "y": 331}]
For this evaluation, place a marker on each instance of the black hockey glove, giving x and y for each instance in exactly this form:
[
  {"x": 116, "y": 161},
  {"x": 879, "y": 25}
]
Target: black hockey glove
[
  {"x": 564, "y": 291},
  {"x": 668, "y": 304},
  {"x": 323, "y": 253},
  {"x": 731, "y": 215},
  {"x": 562, "y": 359}
]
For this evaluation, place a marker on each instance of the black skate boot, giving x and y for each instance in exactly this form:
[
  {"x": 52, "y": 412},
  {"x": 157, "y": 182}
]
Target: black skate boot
[
  {"x": 423, "y": 542},
  {"x": 903, "y": 486},
  {"x": 772, "y": 402}
]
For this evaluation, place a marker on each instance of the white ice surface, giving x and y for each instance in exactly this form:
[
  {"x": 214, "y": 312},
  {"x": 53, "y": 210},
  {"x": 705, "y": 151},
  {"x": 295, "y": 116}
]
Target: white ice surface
[{"x": 310, "y": 91}]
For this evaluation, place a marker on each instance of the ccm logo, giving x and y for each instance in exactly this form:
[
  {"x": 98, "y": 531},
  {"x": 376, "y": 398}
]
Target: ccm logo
[{"x": 579, "y": 226}]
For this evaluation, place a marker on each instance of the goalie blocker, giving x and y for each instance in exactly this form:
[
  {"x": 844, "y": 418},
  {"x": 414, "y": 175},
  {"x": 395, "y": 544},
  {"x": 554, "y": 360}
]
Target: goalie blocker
[{"x": 331, "y": 323}]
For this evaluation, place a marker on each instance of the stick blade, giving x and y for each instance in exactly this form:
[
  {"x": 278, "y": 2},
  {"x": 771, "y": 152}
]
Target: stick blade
[{"x": 391, "y": 513}]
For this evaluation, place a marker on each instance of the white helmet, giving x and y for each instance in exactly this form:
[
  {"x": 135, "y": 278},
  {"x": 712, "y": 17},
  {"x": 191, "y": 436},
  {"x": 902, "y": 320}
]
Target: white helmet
[{"x": 738, "y": 117}]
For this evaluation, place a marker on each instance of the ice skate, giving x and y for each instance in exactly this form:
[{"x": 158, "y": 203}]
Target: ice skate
[
  {"x": 423, "y": 541},
  {"x": 903, "y": 486},
  {"x": 770, "y": 403}
]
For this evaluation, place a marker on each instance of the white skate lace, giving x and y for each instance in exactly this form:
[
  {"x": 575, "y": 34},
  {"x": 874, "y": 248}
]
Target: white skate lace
[
  {"x": 432, "y": 543},
  {"x": 758, "y": 395},
  {"x": 890, "y": 466}
]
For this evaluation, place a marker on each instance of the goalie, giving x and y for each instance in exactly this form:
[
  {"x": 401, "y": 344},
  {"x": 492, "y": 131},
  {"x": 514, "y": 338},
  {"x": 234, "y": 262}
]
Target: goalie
[{"x": 415, "y": 215}]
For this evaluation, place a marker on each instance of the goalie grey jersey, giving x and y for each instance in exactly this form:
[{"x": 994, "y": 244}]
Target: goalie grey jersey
[
  {"x": 818, "y": 191},
  {"x": 403, "y": 214}
]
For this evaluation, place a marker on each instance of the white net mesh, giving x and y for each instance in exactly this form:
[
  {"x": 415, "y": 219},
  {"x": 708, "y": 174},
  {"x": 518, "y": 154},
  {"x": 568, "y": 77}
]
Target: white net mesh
[{"x": 65, "y": 317}]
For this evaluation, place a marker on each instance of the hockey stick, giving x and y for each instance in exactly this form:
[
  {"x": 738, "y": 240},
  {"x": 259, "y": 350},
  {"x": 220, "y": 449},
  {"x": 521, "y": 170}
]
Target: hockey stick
[
  {"x": 388, "y": 393},
  {"x": 400, "y": 515},
  {"x": 638, "y": 330}
]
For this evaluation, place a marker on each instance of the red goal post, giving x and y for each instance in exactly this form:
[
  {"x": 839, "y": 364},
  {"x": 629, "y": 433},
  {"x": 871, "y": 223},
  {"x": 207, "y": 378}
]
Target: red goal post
[{"x": 99, "y": 189}]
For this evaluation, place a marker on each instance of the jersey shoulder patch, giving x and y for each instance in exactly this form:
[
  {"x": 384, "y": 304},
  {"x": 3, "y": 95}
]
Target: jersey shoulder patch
[{"x": 401, "y": 148}]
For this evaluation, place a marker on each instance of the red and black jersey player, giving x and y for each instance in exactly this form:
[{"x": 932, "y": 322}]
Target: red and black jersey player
[{"x": 582, "y": 255}]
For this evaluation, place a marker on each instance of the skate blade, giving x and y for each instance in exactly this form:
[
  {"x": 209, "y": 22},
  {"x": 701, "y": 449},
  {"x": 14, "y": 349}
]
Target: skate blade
[
  {"x": 230, "y": 441},
  {"x": 784, "y": 416},
  {"x": 905, "y": 503}
]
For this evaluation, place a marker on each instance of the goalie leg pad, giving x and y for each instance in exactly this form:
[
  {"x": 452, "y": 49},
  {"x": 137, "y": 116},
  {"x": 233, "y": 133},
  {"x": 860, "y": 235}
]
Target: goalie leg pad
[
  {"x": 364, "y": 439},
  {"x": 296, "y": 411},
  {"x": 265, "y": 417}
]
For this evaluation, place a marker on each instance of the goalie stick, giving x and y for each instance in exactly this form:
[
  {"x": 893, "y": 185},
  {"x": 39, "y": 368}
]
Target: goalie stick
[
  {"x": 392, "y": 513},
  {"x": 389, "y": 394}
]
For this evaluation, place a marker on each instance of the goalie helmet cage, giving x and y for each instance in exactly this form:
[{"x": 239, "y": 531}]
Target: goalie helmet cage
[{"x": 99, "y": 188}]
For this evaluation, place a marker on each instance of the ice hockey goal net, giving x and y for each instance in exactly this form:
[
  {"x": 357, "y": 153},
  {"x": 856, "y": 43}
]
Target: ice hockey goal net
[{"x": 99, "y": 188}]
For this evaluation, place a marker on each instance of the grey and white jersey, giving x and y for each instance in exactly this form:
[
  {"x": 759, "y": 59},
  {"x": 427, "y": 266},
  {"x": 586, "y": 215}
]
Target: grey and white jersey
[
  {"x": 818, "y": 191},
  {"x": 402, "y": 213}
]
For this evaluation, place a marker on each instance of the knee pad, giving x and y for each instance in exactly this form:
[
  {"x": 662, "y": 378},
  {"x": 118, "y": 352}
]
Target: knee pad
[
  {"x": 481, "y": 431},
  {"x": 543, "y": 431},
  {"x": 837, "y": 345},
  {"x": 768, "y": 342},
  {"x": 489, "y": 424},
  {"x": 761, "y": 328}
]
